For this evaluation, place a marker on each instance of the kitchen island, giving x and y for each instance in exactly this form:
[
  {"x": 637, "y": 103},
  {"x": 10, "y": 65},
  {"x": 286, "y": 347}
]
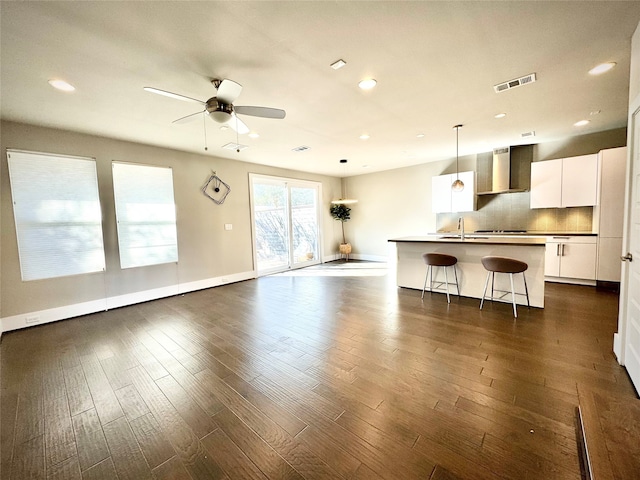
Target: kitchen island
[{"x": 410, "y": 268}]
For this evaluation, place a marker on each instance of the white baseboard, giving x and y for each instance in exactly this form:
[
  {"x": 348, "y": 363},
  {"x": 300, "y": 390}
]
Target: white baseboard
[
  {"x": 573, "y": 281},
  {"x": 40, "y": 317},
  {"x": 216, "y": 282},
  {"x": 369, "y": 258},
  {"x": 355, "y": 256}
]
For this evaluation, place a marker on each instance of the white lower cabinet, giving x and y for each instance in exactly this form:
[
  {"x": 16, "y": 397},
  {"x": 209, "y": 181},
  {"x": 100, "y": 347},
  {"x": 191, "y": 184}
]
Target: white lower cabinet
[
  {"x": 609, "y": 264},
  {"x": 569, "y": 257}
]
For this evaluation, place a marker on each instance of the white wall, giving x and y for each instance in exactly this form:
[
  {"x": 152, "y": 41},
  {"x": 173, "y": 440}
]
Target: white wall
[{"x": 208, "y": 254}]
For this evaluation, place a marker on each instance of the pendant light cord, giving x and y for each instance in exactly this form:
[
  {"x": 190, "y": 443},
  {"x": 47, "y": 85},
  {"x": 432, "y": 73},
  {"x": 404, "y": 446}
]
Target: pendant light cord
[{"x": 457, "y": 169}]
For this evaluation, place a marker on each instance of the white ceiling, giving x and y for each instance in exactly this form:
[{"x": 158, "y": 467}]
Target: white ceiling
[{"x": 435, "y": 63}]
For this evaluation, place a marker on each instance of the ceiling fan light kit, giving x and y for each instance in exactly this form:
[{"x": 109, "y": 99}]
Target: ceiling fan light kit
[{"x": 220, "y": 108}]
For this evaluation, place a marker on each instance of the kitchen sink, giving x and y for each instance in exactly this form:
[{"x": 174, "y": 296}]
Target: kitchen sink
[{"x": 457, "y": 237}]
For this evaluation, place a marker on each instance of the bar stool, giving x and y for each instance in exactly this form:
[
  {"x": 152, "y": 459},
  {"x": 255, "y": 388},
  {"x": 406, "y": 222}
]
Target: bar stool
[
  {"x": 440, "y": 260},
  {"x": 504, "y": 265}
]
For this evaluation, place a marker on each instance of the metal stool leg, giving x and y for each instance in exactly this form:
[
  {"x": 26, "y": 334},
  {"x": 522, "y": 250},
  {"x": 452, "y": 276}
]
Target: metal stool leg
[
  {"x": 431, "y": 280},
  {"x": 513, "y": 296},
  {"x": 526, "y": 290},
  {"x": 446, "y": 282},
  {"x": 455, "y": 274},
  {"x": 493, "y": 276},
  {"x": 425, "y": 281},
  {"x": 484, "y": 292}
]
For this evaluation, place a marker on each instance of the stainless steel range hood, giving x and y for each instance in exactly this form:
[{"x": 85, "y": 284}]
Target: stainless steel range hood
[
  {"x": 501, "y": 169},
  {"x": 501, "y": 174}
]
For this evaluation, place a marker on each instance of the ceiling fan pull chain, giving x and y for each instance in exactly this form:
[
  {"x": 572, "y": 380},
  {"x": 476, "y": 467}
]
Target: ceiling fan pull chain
[
  {"x": 237, "y": 136},
  {"x": 204, "y": 125}
]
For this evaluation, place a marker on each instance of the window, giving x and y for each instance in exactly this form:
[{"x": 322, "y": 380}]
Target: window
[
  {"x": 146, "y": 214},
  {"x": 57, "y": 213}
]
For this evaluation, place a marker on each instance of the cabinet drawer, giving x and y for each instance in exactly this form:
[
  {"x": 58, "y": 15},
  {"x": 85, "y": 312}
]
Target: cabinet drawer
[{"x": 572, "y": 239}]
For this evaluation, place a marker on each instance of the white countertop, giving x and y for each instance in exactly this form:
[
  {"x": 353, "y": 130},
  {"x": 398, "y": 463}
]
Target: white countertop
[{"x": 474, "y": 239}]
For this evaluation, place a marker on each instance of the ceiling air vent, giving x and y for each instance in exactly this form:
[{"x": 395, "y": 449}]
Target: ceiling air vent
[
  {"x": 528, "y": 134},
  {"x": 517, "y": 82},
  {"x": 301, "y": 148},
  {"x": 235, "y": 146}
]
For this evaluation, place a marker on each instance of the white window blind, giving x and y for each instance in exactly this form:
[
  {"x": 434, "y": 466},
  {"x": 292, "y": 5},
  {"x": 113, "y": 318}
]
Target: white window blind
[
  {"x": 57, "y": 213},
  {"x": 146, "y": 214}
]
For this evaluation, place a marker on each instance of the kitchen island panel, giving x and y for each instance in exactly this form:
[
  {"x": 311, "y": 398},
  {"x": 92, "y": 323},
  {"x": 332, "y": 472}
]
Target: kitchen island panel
[{"x": 411, "y": 270}]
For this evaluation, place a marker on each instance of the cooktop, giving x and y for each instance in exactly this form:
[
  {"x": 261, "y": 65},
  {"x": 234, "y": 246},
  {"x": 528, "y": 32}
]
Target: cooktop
[{"x": 500, "y": 231}]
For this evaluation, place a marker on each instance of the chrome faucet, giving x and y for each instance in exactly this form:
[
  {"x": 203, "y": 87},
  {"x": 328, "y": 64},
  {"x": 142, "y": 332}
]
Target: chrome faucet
[{"x": 461, "y": 227}]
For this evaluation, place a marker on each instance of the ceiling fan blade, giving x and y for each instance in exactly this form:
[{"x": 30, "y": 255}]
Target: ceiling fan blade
[
  {"x": 228, "y": 91},
  {"x": 188, "y": 118},
  {"x": 237, "y": 124},
  {"x": 265, "y": 112},
  {"x": 173, "y": 95}
]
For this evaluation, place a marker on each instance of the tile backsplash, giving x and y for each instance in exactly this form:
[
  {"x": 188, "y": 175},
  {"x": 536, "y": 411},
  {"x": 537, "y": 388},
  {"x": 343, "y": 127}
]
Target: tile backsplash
[{"x": 510, "y": 211}]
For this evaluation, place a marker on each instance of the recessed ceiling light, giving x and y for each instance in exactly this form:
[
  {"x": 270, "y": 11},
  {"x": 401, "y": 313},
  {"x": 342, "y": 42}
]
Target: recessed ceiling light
[
  {"x": 364, "y": 136},
  {"x": 224, "y": 127},
  {"x": 602, "y": 68},
  {"x": 581, "y": 123},
  {"x": 253, "y": 135},
  {"x": 500, "y": 115},
  {"x": 338, "y": 64},
  {"x": 367, "y": 84},
  {"x": 61, "y": 85},
  {"x": 420, "y": 135}
]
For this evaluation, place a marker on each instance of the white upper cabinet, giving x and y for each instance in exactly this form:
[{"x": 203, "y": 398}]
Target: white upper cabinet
[
  {"x": 441, "y": 193},
  {"x": 546, "y": 184},
  {"x": 444, "y": 200},
  {"x": 613, "y": 164},
  {"x": 464, "y": 201},
  {"x": 566, "y": 182},
  {"x": 580, "y": 181}
]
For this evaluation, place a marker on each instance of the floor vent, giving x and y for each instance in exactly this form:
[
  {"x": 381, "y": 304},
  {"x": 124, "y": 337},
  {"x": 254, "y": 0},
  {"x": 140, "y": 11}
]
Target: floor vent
[{"x": 517, "y": 82}]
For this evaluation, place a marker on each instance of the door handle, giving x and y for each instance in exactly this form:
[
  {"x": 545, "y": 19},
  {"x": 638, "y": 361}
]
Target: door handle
[{"x": 628, "y": 256}]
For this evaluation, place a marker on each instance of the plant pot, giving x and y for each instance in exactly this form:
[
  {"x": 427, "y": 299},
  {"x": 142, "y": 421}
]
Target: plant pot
[{"x": 345, "y": 249}]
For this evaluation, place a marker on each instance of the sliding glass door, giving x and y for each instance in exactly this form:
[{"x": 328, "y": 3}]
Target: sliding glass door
[{"x": 286, "y": 232}]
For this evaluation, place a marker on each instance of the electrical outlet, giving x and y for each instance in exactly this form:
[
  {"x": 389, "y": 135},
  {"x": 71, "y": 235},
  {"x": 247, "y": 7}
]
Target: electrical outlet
[
  {"x": 228, "y": 226},
  {"x": 32, "y": 319}
]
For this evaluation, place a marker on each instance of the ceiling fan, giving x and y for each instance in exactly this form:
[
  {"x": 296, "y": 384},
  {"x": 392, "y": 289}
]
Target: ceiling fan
[{"x": 220, "y": 108}]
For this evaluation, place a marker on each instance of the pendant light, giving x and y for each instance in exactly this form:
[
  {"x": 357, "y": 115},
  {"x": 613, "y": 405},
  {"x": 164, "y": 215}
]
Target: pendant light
[
  {"x": 344, "y": 198},
  {"x": 457, "y": 185}
]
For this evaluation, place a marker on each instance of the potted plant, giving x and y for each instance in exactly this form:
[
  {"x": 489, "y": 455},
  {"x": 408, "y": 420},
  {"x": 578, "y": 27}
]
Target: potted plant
[{"x": 342, "y": 213}]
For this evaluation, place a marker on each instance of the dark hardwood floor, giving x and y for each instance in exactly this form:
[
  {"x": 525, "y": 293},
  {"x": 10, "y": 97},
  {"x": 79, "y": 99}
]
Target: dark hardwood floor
[{"x": 304, "y": 376}]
